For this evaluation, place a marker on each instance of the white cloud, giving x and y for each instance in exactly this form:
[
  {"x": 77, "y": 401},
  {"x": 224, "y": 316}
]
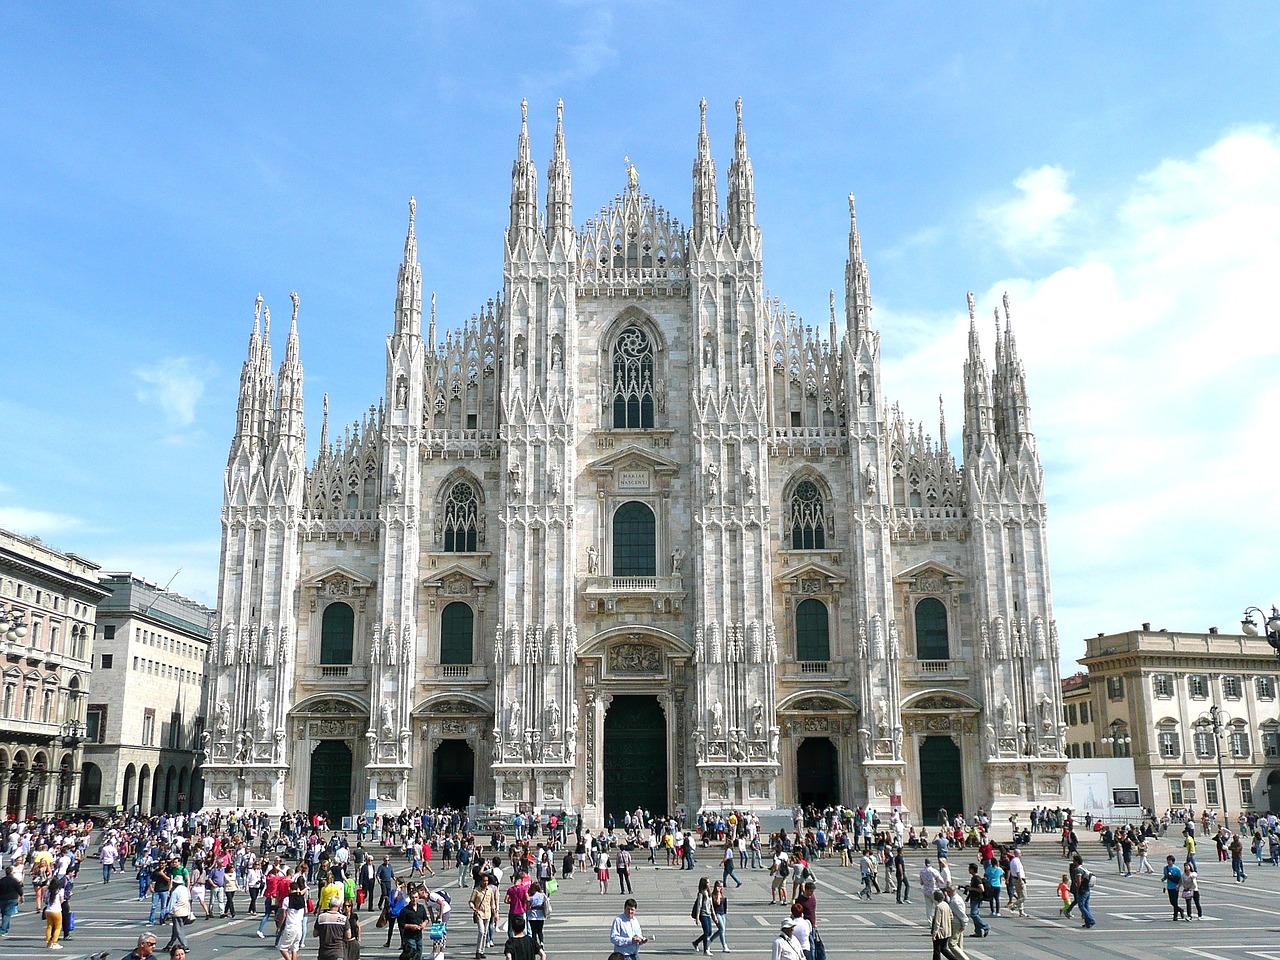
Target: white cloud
[
  {"x": 37, "y": 523},
  {"x": 1033, "y": 219},
  {"x": 1151, "y": 367},
  {"x": 175, "y": 385}
]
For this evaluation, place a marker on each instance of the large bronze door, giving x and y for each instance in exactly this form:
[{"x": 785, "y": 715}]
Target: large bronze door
[
  {"x": 635, "y": 756},
  {"x": 941, "y": 779},
  {"x": 330, "y": 791}
]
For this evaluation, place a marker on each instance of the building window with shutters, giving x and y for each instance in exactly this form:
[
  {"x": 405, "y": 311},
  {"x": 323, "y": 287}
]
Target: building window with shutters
[
  {"x": 1162, "y": 685},
  {"x": 1170, "y": 744},
  {"x": 1198, "y": 686},
  {"x": 1231, "y": 688}
]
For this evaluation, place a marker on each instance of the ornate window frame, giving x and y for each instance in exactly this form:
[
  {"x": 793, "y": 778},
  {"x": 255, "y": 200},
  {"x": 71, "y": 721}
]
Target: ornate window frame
[{"x": 645, "y": 384}]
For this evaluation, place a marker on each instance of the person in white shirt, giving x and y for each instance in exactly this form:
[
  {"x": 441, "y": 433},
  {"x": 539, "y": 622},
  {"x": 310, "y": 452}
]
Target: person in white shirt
[
  {"x": 930, "y": 880},
  {"x": 786, "y": 946},
  {"x": 626, "y": 935},
  {"x": 1017, "y": 883},
  {"x": 802, "y": 929}
]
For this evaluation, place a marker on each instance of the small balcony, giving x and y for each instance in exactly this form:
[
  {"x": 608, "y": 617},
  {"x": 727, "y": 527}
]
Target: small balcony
[
  {"x": 649, "y": 594},
  {"x": 463, "y": 673},
  {"x": 813, "y": 671},
  {"x": 336, "y": 673},
  {"x": 928, "y": 670}
]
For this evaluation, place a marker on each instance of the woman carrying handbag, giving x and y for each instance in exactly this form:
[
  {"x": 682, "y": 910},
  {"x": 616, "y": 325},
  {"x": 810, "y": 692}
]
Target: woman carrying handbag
[{"x": 702, "y": 912}]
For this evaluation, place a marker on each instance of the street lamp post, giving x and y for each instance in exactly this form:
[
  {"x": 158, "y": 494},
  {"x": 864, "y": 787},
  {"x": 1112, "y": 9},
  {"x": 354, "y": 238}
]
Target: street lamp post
[
  {"x": 1118, "y": 742},
  {"x": 1215, "y": 721},
  {"x": 1270, "y": 626},
  {"x": 13, "y": 623}
]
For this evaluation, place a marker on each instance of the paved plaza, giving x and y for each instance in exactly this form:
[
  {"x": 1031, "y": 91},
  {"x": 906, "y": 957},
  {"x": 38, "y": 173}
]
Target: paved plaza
[{"x": 1242, "y": 921}]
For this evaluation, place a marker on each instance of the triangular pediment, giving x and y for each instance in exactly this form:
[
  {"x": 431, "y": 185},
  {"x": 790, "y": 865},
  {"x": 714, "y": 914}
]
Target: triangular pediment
[
  {"x": 930, "y": 570},
  {"x": 810, "y": 569},
  {"x": 336, "y": 576},
  {"x": 456, "y": 571},
  {"x": 633, "y": 456}
]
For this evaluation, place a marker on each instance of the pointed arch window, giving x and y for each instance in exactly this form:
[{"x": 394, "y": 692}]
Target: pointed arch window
[
  {"x": 931, "y": 630},
  {"x": 813, "y": 636},
  {"x": 457, "y": 631},
  {"x": 337, "y": 633},
  {"x": 633, "y": 397},
  {"x": 461, "y": 518},
  {"x": 807, "y": 518}
]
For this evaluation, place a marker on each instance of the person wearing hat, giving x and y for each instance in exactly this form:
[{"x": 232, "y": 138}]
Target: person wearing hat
[{"x": 785, "y": 945}]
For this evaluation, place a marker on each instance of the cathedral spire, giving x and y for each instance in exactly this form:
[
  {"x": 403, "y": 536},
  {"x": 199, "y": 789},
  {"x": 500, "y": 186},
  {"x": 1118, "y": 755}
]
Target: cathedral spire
[
  {"x": 288, "y": 421},
  {"x": 857, "y": 284},
  {"x": 408, "y": 321},
  {"x": 431, "y": 326},
  {"x": 1014, "y": 377},
  {"x": 559, "y": 184},
  {"x": 324, "y": 429},
  {"x": 979, "y": 430},
  {"x": 706, "y": 204},
  {"x": 942, "y": 426},
  {"x": 742, "y": 190},
  {"x": 524, "y": 185},
  {"x": 248, "y": 407}
]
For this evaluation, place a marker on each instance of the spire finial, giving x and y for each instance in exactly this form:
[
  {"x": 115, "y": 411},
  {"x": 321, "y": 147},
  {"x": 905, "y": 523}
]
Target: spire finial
[
  {"x": 266, "y": 322},
  {"x": 1005, "y": 301},
  {"x": 293, "y": 296},
  {"x": 413, "y": 210},
  {"x": 560, "y": 114},
  {"x": 433, "y": 306},
  {"x": 831, "y": 297},
  {"x": 524, "y": 111},
  {"x": 737, "y": 105},
  {"x": 702, "y": 110},
  {"x": 972, "y": 307},
  {"x": 853, "y": 212},
  {"x": 633, "y": 178},
  {"x": 257, "y": 310}
]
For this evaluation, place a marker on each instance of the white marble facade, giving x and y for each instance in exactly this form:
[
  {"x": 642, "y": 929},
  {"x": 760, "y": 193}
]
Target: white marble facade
[{"x": 632, "y": 468}]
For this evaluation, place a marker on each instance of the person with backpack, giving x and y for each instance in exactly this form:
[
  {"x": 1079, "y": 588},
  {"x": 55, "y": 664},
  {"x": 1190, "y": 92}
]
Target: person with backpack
[
  {"x": 1083, "y": 889},
  {"x": 778, "y": 885}
]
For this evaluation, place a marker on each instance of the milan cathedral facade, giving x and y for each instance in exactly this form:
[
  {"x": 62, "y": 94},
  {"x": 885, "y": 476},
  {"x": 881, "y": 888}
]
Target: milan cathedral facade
[{"x": 634, "y": 535}]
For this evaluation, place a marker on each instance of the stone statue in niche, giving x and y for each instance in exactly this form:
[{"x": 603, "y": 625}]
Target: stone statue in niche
[
  {"x": 402, "y": 392},
  {"x": 713, "y": 483},
  {"x": 555, "y": 354},
  {"x": 515, "y": 485},
  {"x": 864, "y": 388},
  {"x": 388, "y": 726},
  {"x": 985, "y": 641},
  {"x": 1046, "y": 714},
  {"x": 1006, "y": 717},
  {"x": 882, "y": 716},
  {"x": 677, "y": 560},
  {"x": 717, "y": 719},
  {"x": 397, "y": 481},
  {"x": 222, "y": 717},
  {"x": 573, "y": 714},
  {"x": 757, "y": 720},
  {"x": 553, "y": 481},
  {"x": 771, "y": 643},
  {"x": 261, "y": 724},
  {"x": 699, "y": 743},
  {"x": 513, "y": 720},
  {"x": 593, "y": 560},
  {"x": 748, "y": 352},
  {"x": 774, "y": 734},
  {"x": 749, "y": 481},
  {"x": 869, "y": 479},
  {"x": 553, "y": 720}
]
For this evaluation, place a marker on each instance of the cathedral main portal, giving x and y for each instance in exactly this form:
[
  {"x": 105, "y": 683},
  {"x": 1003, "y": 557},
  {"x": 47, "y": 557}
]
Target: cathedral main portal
[{"x": 635, "y": 756}]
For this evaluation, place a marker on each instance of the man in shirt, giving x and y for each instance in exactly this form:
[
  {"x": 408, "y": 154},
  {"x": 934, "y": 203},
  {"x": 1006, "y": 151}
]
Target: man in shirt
[
  {"x": 520, "y": 946},
  {"x": 412, "y": 920},
  {"x": 11, "y": 895},
  {"x": 1017, "y": 883},
  {"x": 626, "y": 935},
  {"x": 802, "y": 930},
  {"x": 785, "y": 945},
  {"x": 930, "y": 880},
  {"x": 332, "y": 931},
  {"x": 145, "y": 948}
]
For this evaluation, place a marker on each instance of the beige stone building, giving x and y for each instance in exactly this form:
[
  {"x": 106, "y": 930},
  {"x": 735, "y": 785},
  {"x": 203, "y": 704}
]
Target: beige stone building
[
  {"x": 1155, "y": 688},
  {"x": 1077, "y": 715},
  {"x": 47, "y": 607},
  {"x": 145, "y": 718},
  {"x": 634, "y": 535}
]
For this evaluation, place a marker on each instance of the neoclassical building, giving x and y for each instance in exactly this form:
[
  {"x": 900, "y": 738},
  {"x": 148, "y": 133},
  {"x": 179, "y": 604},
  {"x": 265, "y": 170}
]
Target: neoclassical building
[{"x": 634, "y": 534}]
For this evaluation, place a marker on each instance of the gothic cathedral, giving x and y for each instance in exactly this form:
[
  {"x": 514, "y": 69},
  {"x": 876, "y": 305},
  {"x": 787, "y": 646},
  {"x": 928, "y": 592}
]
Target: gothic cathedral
[{"x": 634, "y": 536}]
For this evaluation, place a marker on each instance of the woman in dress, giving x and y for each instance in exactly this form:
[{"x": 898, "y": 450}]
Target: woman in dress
[{"x": 602, "y": 869}]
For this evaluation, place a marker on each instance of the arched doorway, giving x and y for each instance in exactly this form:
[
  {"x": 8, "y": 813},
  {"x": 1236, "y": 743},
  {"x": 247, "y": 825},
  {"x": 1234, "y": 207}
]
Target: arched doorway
[
  {"x": 126, "y": 795},
  {"x": 941, "y": 779},
  {"x": 453, "y": 768},
  {"x": 1273, "y": 791},
  {"x": 818, "y": 772},
  {"x": 330, "y": 789},
  {"x": 171, "y": 791},
  {"x": 90, "y": 785},
  {"x": 184, "y": 784},
  {"x": 635, "y": 756},
  {"x": 144, "y": 790}
]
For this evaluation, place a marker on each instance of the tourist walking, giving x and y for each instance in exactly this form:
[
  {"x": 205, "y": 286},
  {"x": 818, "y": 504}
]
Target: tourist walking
[
  {"x": 624, "y": 871},
  {"x": 941, "y": 928},
  {"x": 179, "y": 914},
  {"x": 1190, "y": 890},
  {"x": 701, "y": 914},
  {"x": 539, "y": 910},
  {"x": 977, "y": 892},
  {"x": 484, "y": 907},
  {"x": 719, "y": 914},
  {"x": 11, "y": 894},
  {"x": 728, "y": 865},
  {"x": 1082, "y": 890},
  {"x": 1017, "y": 883},
  {"x": 1236, "y": 848},
  {"x": 785, "y": 945},
  {"x": 1173, "y": 884},
  {"x": 521, "y": 946},
  {"x": 53, "y": 915}
]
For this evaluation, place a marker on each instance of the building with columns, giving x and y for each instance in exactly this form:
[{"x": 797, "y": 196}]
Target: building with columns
[
  {"x": 144, "y": 722},
  {"x": 634, "y": 535},
  {"x": 47, "y": 605}
]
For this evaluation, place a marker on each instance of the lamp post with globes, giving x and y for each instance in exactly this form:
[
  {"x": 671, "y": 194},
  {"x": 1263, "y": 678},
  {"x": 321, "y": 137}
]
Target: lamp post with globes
[
  {"x": 1118, "y": 742},
  {"x": 13, "y": 623},
  {"x": 1215, "y": 721},
  {"x": 1270, "y": 627}
]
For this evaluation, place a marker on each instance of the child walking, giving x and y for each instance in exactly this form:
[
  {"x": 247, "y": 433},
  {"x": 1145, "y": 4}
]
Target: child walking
[{"x": 1064, "y": 892}]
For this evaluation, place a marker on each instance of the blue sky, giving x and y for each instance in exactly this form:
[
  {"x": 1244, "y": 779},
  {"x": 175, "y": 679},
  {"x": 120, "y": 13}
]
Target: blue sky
[{"x": 1116, "y": 167}]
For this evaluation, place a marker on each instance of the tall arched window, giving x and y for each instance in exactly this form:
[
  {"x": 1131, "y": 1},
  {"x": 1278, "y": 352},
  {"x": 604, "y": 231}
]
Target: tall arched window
[
  {"x": 461, "y": 518},
  {"x": 812, "y": 631},
  {"x": 633, "y": 380},
  {"x": 337, "y": 634},
  {"x": 931, "y": 630},
  {"x": 457, "y": 626},
  {"x": 806, "y": 518},
  {"x": 635, "y": 551}
]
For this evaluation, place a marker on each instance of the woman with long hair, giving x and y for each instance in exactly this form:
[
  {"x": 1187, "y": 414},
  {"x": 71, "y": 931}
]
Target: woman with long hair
[
  {"x": 719, "y": 914},
  {"x": 702, "y": 913}
]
